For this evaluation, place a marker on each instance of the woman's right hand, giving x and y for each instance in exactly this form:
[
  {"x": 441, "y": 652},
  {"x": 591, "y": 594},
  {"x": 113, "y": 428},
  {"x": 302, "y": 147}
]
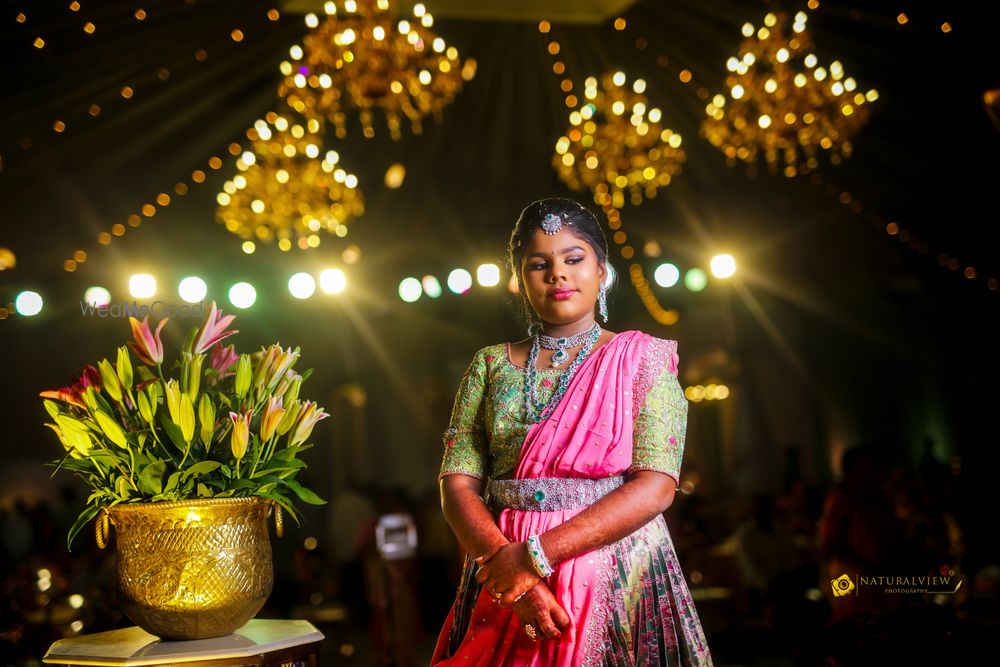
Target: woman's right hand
[{"x": 538, "y": 607}]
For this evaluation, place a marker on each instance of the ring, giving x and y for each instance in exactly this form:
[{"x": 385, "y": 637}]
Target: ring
[{"x": 529, "y": 630}]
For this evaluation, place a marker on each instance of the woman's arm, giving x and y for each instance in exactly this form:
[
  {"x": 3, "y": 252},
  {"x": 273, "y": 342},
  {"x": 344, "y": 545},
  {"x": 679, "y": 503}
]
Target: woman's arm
[
  {"x": 467, "y": 514},
  {"x": 619, "y": 514},
  {"x": 475, "y": 528},
  {"x": 643, "y": 496}
]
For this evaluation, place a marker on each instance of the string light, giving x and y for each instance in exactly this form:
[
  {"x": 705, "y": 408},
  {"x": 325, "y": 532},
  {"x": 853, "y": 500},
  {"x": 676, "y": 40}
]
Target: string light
[
  {"x": 134, "y": 219},
  {"x": 127, "y": 92}
]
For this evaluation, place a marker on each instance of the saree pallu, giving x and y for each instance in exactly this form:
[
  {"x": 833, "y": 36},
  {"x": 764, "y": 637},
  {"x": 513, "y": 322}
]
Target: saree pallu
[{"x": 628, "y": 602}]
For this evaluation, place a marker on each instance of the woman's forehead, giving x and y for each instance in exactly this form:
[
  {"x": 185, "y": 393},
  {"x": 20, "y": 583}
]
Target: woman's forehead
[{"x": 553, "y": 244}]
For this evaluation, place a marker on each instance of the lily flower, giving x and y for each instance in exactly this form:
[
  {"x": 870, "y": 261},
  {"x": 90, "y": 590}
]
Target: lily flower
[
  {"x": 147, "y": 345},
  {"x": 212, "y": 330},
  {"x": 241, "y": 434},
  {"x": 307, "y": 419},
  {"x": 272, "y": 415},
  {"x": 73, "y": 393},
  {"x": 223, "y": 357}
]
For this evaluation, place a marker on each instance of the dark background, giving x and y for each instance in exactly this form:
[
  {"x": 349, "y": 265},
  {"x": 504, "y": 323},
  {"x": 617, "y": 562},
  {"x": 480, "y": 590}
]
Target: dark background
[{"x": 832, "y": 333}]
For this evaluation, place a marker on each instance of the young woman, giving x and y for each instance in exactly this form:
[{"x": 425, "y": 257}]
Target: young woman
[{"x": 579, "y": 433}]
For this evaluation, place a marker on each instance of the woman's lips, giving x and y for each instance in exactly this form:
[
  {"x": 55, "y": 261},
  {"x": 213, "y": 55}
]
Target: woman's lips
[{"x": 562, "y": 295}]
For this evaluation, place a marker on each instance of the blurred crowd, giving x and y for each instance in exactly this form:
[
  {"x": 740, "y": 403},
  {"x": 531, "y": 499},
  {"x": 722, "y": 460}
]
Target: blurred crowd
[{"x": 376, "y": 570}]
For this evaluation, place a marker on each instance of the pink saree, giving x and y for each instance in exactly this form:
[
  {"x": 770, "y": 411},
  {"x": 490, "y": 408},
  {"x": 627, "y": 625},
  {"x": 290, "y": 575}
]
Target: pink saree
[{"x": 588, "y": 435}]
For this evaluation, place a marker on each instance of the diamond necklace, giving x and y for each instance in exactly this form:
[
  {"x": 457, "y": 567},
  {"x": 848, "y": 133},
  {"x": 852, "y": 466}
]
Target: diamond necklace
[
  {"x": 536, "y": 411},
  {"x": 560, "y": 344}
]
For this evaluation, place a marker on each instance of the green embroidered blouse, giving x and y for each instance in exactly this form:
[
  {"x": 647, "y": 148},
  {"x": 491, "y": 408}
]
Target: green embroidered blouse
[{"x": 488, "y": 424}]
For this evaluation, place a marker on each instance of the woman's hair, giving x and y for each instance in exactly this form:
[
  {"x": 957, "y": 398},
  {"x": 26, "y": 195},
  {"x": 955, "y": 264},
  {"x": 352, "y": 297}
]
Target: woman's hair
[{"x": 576, "y": 218}]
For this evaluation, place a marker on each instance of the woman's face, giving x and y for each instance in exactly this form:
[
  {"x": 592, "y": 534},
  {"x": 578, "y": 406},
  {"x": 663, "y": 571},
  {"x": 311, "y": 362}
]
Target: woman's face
[{"x": 560, "y": 277}]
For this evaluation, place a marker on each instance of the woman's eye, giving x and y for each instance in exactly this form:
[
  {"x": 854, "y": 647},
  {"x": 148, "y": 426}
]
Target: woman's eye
[
  {"x": 574, "y": 260},
  {"x": 536, "y": 266}
]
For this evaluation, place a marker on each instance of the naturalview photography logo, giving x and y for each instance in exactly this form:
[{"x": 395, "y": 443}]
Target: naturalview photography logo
[
  {"x": 947, "y": 583},
  {"x": 158, "y": 309}
]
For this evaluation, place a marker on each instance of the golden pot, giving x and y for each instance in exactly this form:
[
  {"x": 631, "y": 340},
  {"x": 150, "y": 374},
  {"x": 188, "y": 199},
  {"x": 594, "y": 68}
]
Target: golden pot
[{"x": 192, "y": 569}]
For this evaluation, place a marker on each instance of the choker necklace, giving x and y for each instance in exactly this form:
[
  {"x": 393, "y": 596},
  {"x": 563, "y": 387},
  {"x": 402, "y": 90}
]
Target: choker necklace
[
  {"x": 560, "y": 344},
  {"x": 536, "y": 411}
]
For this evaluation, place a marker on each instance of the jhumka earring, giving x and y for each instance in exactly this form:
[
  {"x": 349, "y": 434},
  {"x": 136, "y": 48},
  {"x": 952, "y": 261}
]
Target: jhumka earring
[{"x": 602, "y": 303}]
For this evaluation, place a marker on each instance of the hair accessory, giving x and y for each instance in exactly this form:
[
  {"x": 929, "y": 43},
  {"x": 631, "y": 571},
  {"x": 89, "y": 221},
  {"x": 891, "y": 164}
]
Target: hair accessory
[{"x": 551, "y": 224}]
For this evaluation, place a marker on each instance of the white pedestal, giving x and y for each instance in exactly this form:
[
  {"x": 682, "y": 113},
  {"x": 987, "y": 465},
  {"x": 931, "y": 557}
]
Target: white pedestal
[{"x": 134, "y": 647}]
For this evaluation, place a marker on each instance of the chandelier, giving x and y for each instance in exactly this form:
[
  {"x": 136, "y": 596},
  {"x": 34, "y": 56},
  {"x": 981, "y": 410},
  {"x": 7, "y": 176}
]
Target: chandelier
[
  {"x": 617, "y": 144},
  {"x": 286, "y": 190},
  {"x": 782, "y": 103},
  {"x": 360, "y": 58}
]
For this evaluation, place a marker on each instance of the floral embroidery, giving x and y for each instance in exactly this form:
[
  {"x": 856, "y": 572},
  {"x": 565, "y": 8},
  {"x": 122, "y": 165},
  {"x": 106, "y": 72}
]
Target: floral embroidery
[
  {"x": 547, "y": 382},
  {"x": 661, "y": 422}
]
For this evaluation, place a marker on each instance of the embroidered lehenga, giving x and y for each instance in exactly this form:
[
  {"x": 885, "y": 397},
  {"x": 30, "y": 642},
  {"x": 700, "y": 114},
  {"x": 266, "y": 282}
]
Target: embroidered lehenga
[{"x": 623, "y": 411}]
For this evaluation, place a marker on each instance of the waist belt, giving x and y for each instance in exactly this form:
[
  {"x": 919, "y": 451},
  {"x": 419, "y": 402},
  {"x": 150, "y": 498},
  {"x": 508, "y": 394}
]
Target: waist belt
[{"x": 549, "y": 494}]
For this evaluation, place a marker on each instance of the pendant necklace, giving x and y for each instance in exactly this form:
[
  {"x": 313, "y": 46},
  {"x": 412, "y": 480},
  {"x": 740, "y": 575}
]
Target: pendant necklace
[{"x": 560, "y": 344}]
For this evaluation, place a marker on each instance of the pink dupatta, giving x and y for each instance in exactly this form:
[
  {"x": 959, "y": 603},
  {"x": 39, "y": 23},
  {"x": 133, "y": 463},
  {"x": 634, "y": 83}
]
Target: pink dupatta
[{"x": 588, "y": 435}]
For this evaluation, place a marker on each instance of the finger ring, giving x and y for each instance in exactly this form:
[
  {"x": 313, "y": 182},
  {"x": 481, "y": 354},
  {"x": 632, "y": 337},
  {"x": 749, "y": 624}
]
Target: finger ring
[{"x": 529, "y": 630}]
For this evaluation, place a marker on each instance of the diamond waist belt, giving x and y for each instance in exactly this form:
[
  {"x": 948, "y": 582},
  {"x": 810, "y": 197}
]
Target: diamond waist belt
[{"x": 548, "y": 494}]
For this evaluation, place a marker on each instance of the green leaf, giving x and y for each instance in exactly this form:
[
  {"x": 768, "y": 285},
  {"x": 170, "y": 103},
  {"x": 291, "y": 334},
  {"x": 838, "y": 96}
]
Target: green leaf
[
  {"x": 303, "y": 493},
  {"x": 204, "y": 491},
  {"x": 239, "y": 484},
  {"x": 284, "y": 503},
  {"x": 201, "y": 468},
  {"x": 173, "y": 431},
  {"x": 85, "y": 516},
  {"x": 51, "y": 407},
  {"x": 151, "y": 478},
  {"x": 172, "y": 481}
]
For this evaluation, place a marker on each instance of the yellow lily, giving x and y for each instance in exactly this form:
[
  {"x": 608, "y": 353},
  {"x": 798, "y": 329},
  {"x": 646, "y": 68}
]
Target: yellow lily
[
  {"x": 206, "y": 418},
  {"x": 186, "y": 409},
  {"x": 241, "y": 434},
  {"x": 272, "y": 415}
]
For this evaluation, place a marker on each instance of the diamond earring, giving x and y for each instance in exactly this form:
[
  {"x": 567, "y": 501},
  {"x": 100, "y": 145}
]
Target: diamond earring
[{"x": 602, "y": 303}]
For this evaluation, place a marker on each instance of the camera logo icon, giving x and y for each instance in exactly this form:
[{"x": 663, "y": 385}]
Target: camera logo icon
[{"x": 842, "y": 585}]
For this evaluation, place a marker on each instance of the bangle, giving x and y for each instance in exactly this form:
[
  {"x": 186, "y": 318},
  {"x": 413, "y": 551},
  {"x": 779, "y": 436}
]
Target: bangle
[{"x": 538, "y": 558}]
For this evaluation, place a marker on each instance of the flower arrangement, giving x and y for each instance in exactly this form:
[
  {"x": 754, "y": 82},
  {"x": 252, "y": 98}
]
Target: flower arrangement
[{"x": 227, "y": 425}]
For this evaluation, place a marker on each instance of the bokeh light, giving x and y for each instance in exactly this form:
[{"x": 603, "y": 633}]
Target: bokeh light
[
  {"x": 242, "y": 295},
  {"x": 192, "y": 289}
]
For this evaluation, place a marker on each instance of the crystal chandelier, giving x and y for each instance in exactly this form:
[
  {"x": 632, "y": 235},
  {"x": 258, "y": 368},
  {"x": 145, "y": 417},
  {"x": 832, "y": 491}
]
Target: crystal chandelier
[
  {"x": 782, "y": 103},
  {"x": 617, "y": 144},
  {"x": 286, "y": 190},
  {"x": 361, "y": 58}
]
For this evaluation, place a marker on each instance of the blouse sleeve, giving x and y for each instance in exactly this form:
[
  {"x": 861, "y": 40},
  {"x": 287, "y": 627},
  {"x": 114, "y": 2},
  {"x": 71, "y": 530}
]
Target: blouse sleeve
[
  {"x": 661, "y": 423},
  {"x": 465, "y": 442}
]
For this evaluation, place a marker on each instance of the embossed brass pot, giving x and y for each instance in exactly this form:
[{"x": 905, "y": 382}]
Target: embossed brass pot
[{"x": 192, "y": 569}]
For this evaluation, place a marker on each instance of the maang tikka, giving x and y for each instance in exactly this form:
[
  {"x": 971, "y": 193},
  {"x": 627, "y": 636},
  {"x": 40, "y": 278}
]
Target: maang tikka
[{"x": 552, "y": 223}]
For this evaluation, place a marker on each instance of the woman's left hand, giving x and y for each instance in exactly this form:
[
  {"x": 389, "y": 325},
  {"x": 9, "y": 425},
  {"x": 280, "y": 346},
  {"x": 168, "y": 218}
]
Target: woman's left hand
[{"x": 507, "y": 571}]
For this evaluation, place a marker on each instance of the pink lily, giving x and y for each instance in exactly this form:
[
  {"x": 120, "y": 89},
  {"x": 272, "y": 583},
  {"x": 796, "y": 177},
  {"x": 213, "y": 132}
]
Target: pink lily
[
  {"x": 213, "y": 329},
  {"x": 223, "y": 357},
  {"x": 147, "y": 345}
]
